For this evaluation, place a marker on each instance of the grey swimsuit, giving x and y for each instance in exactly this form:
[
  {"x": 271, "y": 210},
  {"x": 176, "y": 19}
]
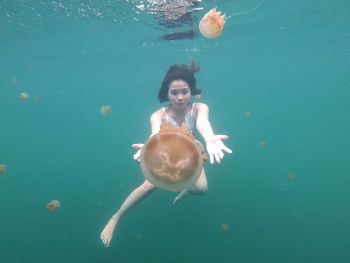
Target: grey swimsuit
[{"x": 190, "y": 120}]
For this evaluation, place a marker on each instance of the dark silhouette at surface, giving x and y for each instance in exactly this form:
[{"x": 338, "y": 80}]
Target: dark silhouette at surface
[{"x": 173, "y": 14}]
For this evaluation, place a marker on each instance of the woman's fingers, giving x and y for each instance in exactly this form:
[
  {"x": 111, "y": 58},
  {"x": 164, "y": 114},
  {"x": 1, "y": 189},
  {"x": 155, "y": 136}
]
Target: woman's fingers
[
  {"x": 137, "y": 146},
  {"x": 221, "y": 155},
  {"x": 217, "y": 158},
  {"x": 137, "y": 155},
  {"x": 226, "y": 149},
  {"x": 222, "y": 137},
  {"x": 211, "y": 158}
]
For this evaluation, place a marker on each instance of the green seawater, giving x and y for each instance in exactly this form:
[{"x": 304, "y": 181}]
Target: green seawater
[{"x": 277, "y": 81}]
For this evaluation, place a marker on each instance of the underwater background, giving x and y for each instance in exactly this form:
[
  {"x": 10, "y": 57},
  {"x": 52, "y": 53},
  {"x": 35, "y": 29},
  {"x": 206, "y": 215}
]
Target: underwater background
[{"x": 277, "y": 82}]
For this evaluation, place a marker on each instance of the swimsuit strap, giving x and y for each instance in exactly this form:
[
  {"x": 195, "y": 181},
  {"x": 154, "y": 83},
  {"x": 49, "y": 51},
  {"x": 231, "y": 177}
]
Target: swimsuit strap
[
  {"x": 193, "y": 105},
  {"x": 189, "y": 120},
  {"x": 169, "y": 119}
]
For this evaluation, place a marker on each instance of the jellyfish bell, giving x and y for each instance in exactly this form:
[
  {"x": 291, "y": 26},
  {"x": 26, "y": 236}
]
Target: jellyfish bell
[
  {"x": 263, "y": 144},
  {"x": 291, "y": 177},
  {"x": 53, "y": 205},
  {"x": 212, "y": 24},
  {"x": 172, "y": 159},
  {"x": 106, "y": 110},
  {"x": 24, "y": 96},
  {"x": 2, "y": 168},
  {"x": 225, "y": 227}
]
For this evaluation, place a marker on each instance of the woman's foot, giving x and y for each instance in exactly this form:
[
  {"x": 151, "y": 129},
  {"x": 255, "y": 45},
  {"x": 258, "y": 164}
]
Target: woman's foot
[{"x": 107, "y": 233}]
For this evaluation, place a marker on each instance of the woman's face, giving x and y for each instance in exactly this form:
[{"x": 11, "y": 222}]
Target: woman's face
[{"x": 179, "y": 94}]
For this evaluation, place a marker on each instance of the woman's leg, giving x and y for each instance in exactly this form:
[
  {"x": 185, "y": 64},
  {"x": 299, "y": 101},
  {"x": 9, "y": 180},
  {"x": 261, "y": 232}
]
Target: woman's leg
[
  {"x": 200, "y": 187},
  {"x": 135, "y": 196}
]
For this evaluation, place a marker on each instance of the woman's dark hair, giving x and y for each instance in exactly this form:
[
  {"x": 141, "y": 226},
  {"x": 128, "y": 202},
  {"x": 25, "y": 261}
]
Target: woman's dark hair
[{"x": 179, "y": 72}]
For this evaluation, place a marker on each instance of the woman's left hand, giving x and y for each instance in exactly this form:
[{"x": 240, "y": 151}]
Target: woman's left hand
[
  {"x": 216, "y": 148},
  {"x": 138, "y": 148}
]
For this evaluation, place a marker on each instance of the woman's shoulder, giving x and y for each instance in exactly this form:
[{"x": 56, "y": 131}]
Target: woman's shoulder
[
  {"x": 158, "y": 113},
  {"x": 200, "y": 106}
]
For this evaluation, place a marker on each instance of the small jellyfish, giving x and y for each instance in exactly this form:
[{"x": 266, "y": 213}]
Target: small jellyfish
[
  {"x": 263, "y": 144},
  {"x": 53, "y": 205},
  {"x": 247, "y": 114},
  {"x": 212, "y": 24},
  {"x": 106, "y": 110},
  {"x": 225, "y": 228},
  {"x": 291, "y": 177},
  {"x": 24, "y": 96},
  {"x": 2, "y": 168}
]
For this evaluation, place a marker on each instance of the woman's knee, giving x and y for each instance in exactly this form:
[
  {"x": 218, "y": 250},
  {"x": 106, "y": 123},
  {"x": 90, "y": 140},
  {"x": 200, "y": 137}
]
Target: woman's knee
[
  {"x": 201, "y": 186},
  {"x": 200, "y": 189},
  {"x": 147, "y": 186}
]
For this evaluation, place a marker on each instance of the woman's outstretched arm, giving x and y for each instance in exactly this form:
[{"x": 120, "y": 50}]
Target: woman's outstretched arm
[{"x": 214, "y": 143}]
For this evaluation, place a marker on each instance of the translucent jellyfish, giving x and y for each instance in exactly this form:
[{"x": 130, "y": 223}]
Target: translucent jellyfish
[
  {"x": 2, "y": 168},
  {"x": 24, "y": 96},
  {"x": 263, "y": 144},
  {"x": 225, "y": 227},
  {"x": 247, "y": 113},
  {"x": 106, "y": 110},
  {"x": 291, "y": 177},
  {"x": 172, "y": 159},
  {"x": 53, "y": 205},
  {"x": 212, "y": 24}
]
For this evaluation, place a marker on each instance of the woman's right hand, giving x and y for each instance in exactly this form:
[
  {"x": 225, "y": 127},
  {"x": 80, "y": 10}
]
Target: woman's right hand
[
  {"x": 216, "y": 148},
  {"x": 138, "y": 147}
]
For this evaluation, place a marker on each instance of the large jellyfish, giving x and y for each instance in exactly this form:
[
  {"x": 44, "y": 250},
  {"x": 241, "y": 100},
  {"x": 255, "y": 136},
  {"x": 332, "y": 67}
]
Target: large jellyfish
[{"x": 172, "y": 159}]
